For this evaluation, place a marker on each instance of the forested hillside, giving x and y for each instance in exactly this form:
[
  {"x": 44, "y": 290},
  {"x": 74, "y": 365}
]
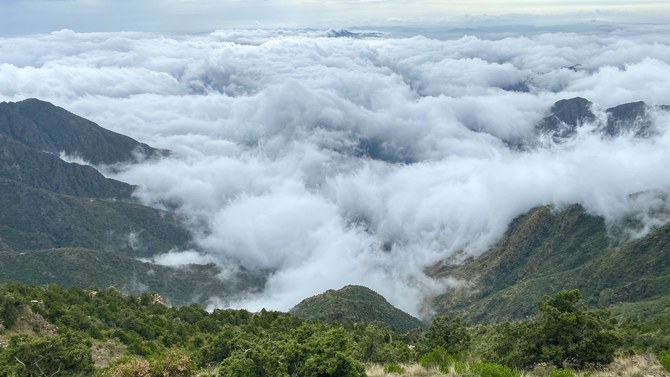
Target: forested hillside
[
  {"x": 552, "y": 249},
  {"x": 75, "y": 332}
]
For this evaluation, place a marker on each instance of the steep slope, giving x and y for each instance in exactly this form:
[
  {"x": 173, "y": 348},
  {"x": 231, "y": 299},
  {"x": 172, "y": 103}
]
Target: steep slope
[
  {"x": 67, "y": 224},
  {"x": 48, "y": 203},
  {"x": 567, "y": 116},
  {"x": 73, "y": 267},
  {"x": 39, "y": 219},
  {"x": 629, "y": 118},
  {"x": 45, "y": 127},
  {"x": 546, "y": 251},
  {"x": 357, "y": 304},
  {"x": 42, "y": 170}
]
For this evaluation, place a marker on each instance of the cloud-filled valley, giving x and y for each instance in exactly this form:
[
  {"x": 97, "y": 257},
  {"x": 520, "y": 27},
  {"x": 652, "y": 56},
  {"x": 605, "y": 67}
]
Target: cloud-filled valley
[{"x": 331, "y": 161}]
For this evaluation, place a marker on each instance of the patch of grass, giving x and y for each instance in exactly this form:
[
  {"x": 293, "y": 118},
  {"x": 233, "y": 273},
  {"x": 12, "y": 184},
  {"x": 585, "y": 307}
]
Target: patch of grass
[
  {"x": 562, "y": 373},
  {"x": 492, "y": 370}
]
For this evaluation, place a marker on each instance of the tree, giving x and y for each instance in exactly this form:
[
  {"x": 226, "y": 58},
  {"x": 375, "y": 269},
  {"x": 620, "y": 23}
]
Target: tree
[
  {"x": 67, "y": 354},
  {"x": 450, "y": 334},
  {"x": 565, "y": 332},
  {"x": 9, "y": 305},
  {"x": 330, "y": 355}
]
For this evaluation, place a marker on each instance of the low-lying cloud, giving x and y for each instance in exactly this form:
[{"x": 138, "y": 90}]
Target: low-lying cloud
[{"x": 332, "y": 161}]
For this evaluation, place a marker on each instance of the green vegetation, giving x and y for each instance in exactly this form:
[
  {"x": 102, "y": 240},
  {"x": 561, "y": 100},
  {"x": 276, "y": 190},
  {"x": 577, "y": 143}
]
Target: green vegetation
[
  {"x": 665, "y": 360},
  {"x": 564, "y": 333},
  {"x": 45, "y": 127},
  {"x": 34, "y": 219},
  {"x": 71, "y": 268},
  {"x": 355, "y": 303},
  {"x": 548, "y": 250},
  {"x": 75, "y": 332},
  {"x": 394, "y": 368},
  {"x": 493, "y": 370}
]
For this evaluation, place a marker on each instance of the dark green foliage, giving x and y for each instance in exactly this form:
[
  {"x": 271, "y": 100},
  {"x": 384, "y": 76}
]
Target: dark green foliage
[
  {"x": 376, "y": 344},
  {"x": 438, "y": 358},
  {"x": 8, "y": 309},
  {"x": 356, "y": 304},
  {"x": 330, "y": 355},
  {"x": 565, "y": 332},
  {"x": 187, "y": 340},
  {"x": 664, "y": 359},
  {"x": 34, "y": 219},
  {"x": 394, "y": 368},
  {"x": 67, "y": 354},
  {"x": 492, "y": 370},
  {"x": 450, "y": 334},
  {"x": 238, "y": 364}
]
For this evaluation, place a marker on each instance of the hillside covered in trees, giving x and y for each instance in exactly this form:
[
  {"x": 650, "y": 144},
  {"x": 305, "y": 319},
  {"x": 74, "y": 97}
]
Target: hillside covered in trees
[{"x": 74, "y": 332}]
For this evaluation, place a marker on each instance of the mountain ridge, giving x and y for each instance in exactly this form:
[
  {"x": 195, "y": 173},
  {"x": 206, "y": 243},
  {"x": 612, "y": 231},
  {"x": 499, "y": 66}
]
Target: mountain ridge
[{"x": 43, "y": 126}]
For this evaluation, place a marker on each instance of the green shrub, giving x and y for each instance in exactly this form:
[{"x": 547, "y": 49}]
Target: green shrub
[
  {"x": 238, "y": 364},
  {"x": 664, "y": 358},
  {"x": 564, "y": 332},
  {"x": 438, "y": 358},
  {"x": 492, "y": 370},
  {"x": 8, "y": 309},
  {"x": 394, "y": 368},
  {"x": 65, "y": 354},
  {"x": 174, "y": 363},
  {"x": 133, "y": 366},
  {"x": 450, "y": 334}
]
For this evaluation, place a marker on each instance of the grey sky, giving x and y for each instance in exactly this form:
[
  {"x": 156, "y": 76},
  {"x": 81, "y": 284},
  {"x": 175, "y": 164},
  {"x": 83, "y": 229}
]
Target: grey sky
[{"x": 37, "y": 16}]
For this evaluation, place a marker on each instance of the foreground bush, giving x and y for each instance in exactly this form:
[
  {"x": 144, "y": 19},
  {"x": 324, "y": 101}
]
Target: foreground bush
[
  {"x": 27, "y": 356},
  {"x": 438, "y": 358},
  {"x": 565, "y": 332}
]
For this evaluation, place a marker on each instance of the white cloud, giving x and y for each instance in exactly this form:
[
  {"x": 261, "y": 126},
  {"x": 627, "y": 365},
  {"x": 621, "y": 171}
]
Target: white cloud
[{"x": 333, "y": 161}]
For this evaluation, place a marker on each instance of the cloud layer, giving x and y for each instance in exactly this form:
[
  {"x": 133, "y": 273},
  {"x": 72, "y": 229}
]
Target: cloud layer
[{"x": 333, "y": 161}]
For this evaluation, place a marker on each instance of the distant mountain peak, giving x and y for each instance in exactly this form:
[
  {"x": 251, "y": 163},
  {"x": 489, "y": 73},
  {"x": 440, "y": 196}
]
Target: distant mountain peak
[{"x": 566, "y": 116}]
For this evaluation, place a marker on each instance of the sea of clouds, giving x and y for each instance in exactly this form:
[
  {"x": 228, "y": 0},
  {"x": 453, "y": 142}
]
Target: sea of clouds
[{"x": 330, "y": 161}]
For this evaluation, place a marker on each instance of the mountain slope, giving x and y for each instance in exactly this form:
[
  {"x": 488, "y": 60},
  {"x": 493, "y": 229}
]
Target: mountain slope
[
  {"x": 42, "y": 170},
  {"x": 45, "y": 127},
  {"x": 357, "y": 304},
  {"x": 545, "y": 251},
  {"x": 34, "y": 219},
  {"x": 76, "y": 267}
]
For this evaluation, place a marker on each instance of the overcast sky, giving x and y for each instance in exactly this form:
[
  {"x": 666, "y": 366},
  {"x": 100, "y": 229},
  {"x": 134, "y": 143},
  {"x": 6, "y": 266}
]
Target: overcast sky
[{"x": 38, "y": 16}]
